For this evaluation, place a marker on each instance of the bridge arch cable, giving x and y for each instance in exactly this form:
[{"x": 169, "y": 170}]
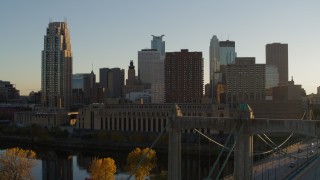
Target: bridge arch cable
[
  {"x": 228, "y": 156},
  {"x": 211, "y": 140},
  {"x": 277, "y": 146},
  {"x": 220, "y": 154},
  {"x": 280, "y": 150},
  {"x": 255, "y": 153},
  {"x": 273, "y": 148}
]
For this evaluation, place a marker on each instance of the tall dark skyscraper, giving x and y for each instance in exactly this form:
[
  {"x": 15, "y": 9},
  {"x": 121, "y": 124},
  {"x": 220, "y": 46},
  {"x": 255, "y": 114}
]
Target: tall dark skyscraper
[
  {"x": 183, "y": 76},
  {"x": 277, "y": 54},
  {"x": 56, "y": 72},
  {"x": 112, "y": 80}
]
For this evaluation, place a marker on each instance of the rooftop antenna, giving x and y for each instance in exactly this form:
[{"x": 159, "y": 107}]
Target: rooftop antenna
[
  {"x": 50, "y": 20},
  {"x": 92, "y": 67},
  {"x": 228, "y": 37}
]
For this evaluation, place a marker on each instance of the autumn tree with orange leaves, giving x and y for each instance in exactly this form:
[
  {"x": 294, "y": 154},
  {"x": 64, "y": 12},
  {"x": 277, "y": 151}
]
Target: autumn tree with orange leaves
[
  {"x": 16, "y": 163},
  {"x": 102, "y": 169},
  {"x": 146, "y": 165}
]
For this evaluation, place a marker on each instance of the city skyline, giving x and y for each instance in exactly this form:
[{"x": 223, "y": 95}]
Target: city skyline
[{"x": 110, "y": 34}]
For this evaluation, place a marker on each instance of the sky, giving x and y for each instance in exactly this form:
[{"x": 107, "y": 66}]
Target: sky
[{"x": 110, "y": 33}]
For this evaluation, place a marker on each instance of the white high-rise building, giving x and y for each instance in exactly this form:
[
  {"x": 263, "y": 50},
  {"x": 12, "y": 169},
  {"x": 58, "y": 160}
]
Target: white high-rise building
[
  {"x": 151, "y": 71},
  {"x": 56, "y": 66},
  {"x": 158, "y": 44}
]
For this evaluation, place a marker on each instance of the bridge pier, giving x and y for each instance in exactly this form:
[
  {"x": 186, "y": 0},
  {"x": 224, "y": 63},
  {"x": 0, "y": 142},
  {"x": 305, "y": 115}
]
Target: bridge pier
[
  {"x": 174, "y": 149},
  {"x": 243, "y": 153}
]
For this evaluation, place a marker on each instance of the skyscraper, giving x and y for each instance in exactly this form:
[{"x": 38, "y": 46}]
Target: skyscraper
[
  {"x": 277, "y": 54},
  {"x": 112, "y": 80},
  {"x": 214, "y": 56},
  {"x": 146, "y": 64},
  {"x": 151, "y": 71},
  {"x": 245, "y": 80},
  {"x": 227, "y": 52},
  {"x": 158, "y": 44},
  {"x": 183, "y": 76},
  {"x": 56, "y": 69}
]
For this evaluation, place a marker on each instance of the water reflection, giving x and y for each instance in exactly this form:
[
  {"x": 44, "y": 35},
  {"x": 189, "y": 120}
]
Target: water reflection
[{"x": 65, "y": 164}]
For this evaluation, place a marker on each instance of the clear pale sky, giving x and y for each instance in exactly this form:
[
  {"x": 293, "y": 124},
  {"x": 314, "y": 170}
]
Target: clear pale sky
[{"x": 109, "y": 33}]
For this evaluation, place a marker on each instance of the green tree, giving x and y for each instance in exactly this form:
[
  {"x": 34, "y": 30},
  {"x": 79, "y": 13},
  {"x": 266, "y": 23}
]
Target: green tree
[
  {"x": 102, "y": 169},
  {"x": 147, "y": 164},
  {"x": 16, "y": 164}
]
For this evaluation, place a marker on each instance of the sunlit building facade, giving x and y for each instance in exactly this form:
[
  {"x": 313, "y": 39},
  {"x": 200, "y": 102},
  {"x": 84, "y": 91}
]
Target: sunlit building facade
[{"x": 56, "y": 69}]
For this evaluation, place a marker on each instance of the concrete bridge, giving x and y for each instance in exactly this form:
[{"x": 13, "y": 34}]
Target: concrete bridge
[{"x": 243, "y": 151}]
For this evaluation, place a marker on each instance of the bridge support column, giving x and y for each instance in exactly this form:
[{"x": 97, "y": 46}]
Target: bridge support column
[
  {"x": 174, "y": 149},
  {"x": 243, "y": 154}
]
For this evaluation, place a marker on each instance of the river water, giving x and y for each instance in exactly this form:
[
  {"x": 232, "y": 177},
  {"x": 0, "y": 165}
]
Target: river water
[{"x": 65, "y": 164}]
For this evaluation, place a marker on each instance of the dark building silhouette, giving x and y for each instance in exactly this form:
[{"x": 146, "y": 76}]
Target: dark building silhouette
[
  {"x": 8, "y": 92},
  {"x": 112, "y": 80},
  {"x": 57, "y": 166},
  {"x": 35, "y": 97},
  {"x": 277, "y": 54},
  {"x": 132, "y": 83},
  {"x": 83, "y": 88},
  {"x": 183, "y": 76}
]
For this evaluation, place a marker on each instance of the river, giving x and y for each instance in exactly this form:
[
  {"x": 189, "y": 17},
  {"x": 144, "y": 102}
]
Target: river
[{"x": 56, "y": 164}]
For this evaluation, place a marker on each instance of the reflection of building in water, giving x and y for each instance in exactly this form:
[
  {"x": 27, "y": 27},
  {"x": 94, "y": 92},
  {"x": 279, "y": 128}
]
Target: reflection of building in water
[
  {"x": 198, "y": 167},
  {"x": 84, "y": 161},
  {"x": 57, "y": 167}
]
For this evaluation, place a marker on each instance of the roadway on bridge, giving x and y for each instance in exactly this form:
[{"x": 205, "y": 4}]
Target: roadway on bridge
[{"x": 279, "y": 166}]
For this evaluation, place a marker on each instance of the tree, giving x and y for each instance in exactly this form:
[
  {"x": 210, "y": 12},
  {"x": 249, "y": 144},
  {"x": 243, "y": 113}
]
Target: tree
[
  {"x": 102, "y": 169},
  {"x": 147, "y": 164},
  {"x": 16, "y": 163}
]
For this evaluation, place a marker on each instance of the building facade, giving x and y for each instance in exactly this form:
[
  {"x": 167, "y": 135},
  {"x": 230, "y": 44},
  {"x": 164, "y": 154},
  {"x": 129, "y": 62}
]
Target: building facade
[
  {"x": 183, "y": 76},
  {"x": 214, "y": 58},
  {"x": 132, "y": 83},
  {"x": 227, "y": 52},
  {"x": 112, "y": 80},
  {"x": 147, "y": 59},
  {"x": 141, "y": 117},
  {"x": 8, "y": 92},
  {"x": 56, "y": 69},
  {"x": 272, "y": 76},
  {"x": 46, "y": 117},
  {"x": 151, "y": 72},
  {"x": 245, "y": 80},
  {"x": 83, "y": 87},
  {"x": 277, "y": 54},
  {"x": 158, "y": 44}
]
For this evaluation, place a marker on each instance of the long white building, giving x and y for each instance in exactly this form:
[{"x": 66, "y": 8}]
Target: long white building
[{"x": 142, "y": 117}]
